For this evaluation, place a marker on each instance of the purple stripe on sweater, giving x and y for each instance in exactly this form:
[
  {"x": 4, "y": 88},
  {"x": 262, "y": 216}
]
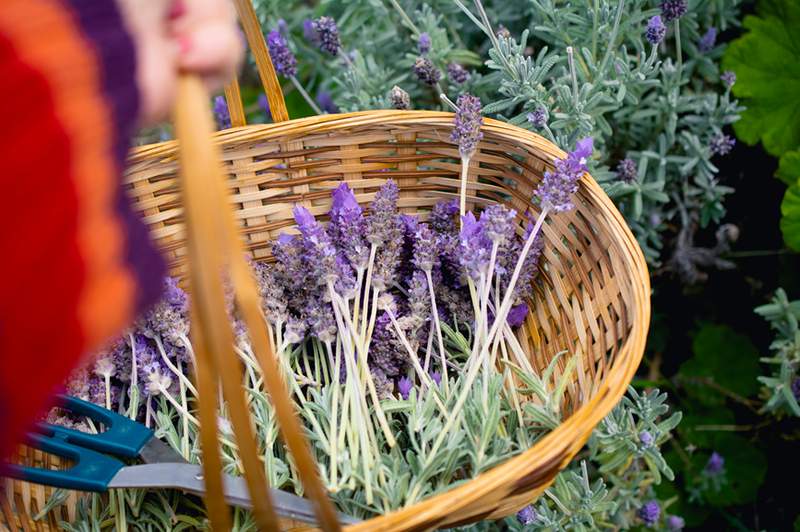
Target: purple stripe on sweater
[{"x": 102, "y": 25}]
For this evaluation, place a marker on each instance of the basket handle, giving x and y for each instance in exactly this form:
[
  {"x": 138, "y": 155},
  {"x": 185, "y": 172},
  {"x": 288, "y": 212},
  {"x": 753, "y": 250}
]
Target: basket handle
[{"x": 266, "y": 71}]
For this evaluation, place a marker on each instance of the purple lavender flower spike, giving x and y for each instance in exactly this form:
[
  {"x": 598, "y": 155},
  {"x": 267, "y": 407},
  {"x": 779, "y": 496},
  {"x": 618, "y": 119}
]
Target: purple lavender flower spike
[
  {"x": 475, "y": 246},
  {"x": 708, "y": 40},
  {"x": 426, "y": 257},
  {"x": 424, "y": 43},
  {"x": 387, "y": 354},
  {"x": 385, "y": 230},
  {"x": 326, "y": 103},
  {"x": 498, "y": 223},
  {"x": 517, "y": 315},
  {"x": 556, "y": 189},
  {"x": 672, "y": 9},
  {"x": 721, "y": 144},
  {"x": 273, "y": 295},
  {"x": 309, "y": 32},
  {"x": 283, "y": 27},
  {"x": 282, "y": 57},
  {"x": 436, "y": 377},
  {"x": 646, "y": 438},
  {"x": 320, "y": 253},
  {"x": 399, "y": 99},
  {"x": 320, "y": 320},
  {"x": 295, "y": 330},
  {"x": 526, "y": 516},
  {"x": 728, "y": 78},
  {"x": 443, "y": 216},
  {"x": 344, "y": 201},
  {"x": 221, "y": 112},
  {"x": 328, "y": 34},
  {"x": 649, "y": 513},
  {"x": 627, "y": 172},
  {"x": 530, "y": 266},
  {"x": 656, "y": 31},
  {"x": 467, "y": 129},
  {"x": 675, "y": 523},
  {"x": 457, "y": 74},
  {"x": 715, "y": 464},
  {"x": 426, "y": 71},
  {"x": 538, "y": 117},
  {"x": 404, "y": 386}
]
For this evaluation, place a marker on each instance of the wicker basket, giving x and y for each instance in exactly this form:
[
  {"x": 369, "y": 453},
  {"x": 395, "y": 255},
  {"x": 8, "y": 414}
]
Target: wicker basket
[{"x": 592, "y": 298}]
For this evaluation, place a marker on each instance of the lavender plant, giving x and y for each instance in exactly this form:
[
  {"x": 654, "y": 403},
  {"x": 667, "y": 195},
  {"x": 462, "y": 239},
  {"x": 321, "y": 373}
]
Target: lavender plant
[{"x": 783, "y": 384}]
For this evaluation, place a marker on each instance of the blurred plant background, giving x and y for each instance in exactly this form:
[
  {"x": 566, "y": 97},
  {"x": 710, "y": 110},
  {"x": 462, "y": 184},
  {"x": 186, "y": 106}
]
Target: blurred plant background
[{"x": 665, "y": 88}]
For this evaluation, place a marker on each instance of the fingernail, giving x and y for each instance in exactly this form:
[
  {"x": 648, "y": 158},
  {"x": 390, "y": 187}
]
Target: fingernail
[
  {"x": 184, "y": 44},
  {"x": 177, "y": 9}
]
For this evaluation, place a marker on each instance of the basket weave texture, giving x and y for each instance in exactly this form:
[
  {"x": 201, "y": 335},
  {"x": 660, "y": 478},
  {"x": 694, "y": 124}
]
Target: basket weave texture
[{"x": 592, "y": 294}]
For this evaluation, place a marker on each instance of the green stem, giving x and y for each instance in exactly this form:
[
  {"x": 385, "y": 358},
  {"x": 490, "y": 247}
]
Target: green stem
[{"x": 309, "y": 100}]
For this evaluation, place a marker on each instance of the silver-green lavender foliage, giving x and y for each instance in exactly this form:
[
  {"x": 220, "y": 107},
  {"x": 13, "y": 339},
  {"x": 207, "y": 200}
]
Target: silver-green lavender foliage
[
  {"x": 783, "y": 384},
  {"x": 566, "y": 70}
]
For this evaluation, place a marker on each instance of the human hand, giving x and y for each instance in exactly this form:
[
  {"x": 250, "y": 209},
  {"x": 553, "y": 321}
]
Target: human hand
[{"x": 172, "y": 36}]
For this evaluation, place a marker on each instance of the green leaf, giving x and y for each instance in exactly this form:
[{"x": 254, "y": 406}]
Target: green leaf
[
  {"x": 723, "y": 359},
  {"x": 766, "y": 61},
  {"x": 789, "y": 167},
  {"x": 790, "y": 219}
]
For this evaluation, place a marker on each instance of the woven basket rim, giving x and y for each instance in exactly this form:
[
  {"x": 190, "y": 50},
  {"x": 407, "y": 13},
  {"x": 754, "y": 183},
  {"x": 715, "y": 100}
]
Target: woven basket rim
[{"x": 573, "y": 432}]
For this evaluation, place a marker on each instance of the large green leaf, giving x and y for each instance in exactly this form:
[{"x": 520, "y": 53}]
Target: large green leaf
[
  {"x": 789, "y": 167},
  {"x": 790, "y": 219},
  {"x": 724, "y": 361},
  {"x": 767, "y": 65}
]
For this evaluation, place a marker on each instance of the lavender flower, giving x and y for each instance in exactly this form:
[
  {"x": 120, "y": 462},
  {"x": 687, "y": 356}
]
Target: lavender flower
[
  {"x": 348, "y": 226},
  {"x": 418, "y": 305},
  {"x": 436, "y": 377},
  {"x": 327, "y": 32},
  {"x": 517, "y": 314},
  {"x": 538, "y": 117},
  {"x": 475, "y": 246},
  {"x": 385, "y": 230},
  {"x": 283, "y": 27},
  {"x": 326, "y": 103},
  {"x": 295, "y": 330},
  {"x": 721, "y": 144},
  {"x": 309, "y": 32},
  {"x": 273, "y": 295},
  {"x": 263, "y": 104},
  {"x": 646, "y": 438},
  {"x": 457, "y": 74},
  {"x": 715, "y": 464},
  {"x": 467, "y": 130},
  {"x": 320, "y": 320},
  {"x": 426, "y": 72},
  {"x": 672, "y": 9},
  {"x": 399, "y": 98},
  {"x": 796, "y": 388},
  {"x": 404, "y": 387},
  {"x": 649, "y": 513},
  {"x": 675, "y": 523},
  {"x": 319, "y": 251},
  {"x": 221, "y": 113},
  {"x": 443, "y": 216},
  {"x": 498, "y": 223},
  {"x": 656, "y": 31},
  {"x": 425, "y": 256},
  {"x": 627, "y": 171},
  {"x": 424, "y": 43},
  {"x": 168, "y": 319},
  {"x": 288, "y": 251},
  {"x": 728, "y": 78},
  {"x": 386, "y": 354},
  {"x": 282, "y": 57},
  {"x": 507, "y": 260},
  {"x": 526, "y": 516},
  {"x": 556, "y": 189},
  {"x": 708, "y": 40}
]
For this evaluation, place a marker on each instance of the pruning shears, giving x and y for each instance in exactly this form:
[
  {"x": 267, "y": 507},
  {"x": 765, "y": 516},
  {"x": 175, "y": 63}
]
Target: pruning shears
[{"x": 95, "y": 468}]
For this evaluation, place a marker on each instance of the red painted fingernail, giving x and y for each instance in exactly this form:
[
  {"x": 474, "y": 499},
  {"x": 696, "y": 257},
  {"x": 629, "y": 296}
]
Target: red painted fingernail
[
  {"x": 185, "y": 44},
  {"x": 177, "y": 9}
]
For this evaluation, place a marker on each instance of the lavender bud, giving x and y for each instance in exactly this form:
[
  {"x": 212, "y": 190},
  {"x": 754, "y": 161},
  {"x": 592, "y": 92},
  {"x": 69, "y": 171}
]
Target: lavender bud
[
  {"x": 526, "y": 516},
  {"x": 328, "y": 34},
  {"x": 646, "y": 438},
  {"x": 443, "y": 216},
  {"x": 326, "y": 103},
  {"x": 436, "y": 377},
  {"x": 656, "y": 31},
  {"x": 467, "y": 129},
  {"x": 424, "y": 43},
  {"x": 503, "y": 32},
  {"x": 556, "y": 189},
  {"x": 721, "y": 144},
  {"x": 675, "y": 523},
  {"x": 382, "y": 224},
  {"x": 320, "y": 254},
  {"x": 426, "y": 72},
  {"x": 272, "y": 294},
  {"x": 404, "y": 386},
  {"x": 538, "y": 117},
  {"x": 475, "y": 246},
  {"x": 399, "y": 98},
  {"x": 309, "y": 32},
  {"x": 221, "y": 113},
  {"x": 348, "y": 226},
  {"x": 425, "y": 257},
  {"x": 320, "y": 320},
  {"x": 715, "y": 464},
  {"x": 649, "y": 513},
  {"x": 295, "y": 330},
  {"x": 498, "y": 223},
  {"x": 517, "y": 315},
  {"x": 282, "y": 57},
  {"x": 457, "y": 74},
  {"x": 387, "y": 354},
  {"x": 708, "y": 40},
  {"x": 627, "y": 171},
  {"x": 728, "y": 78},
  {"x": 672, "y": 9}
]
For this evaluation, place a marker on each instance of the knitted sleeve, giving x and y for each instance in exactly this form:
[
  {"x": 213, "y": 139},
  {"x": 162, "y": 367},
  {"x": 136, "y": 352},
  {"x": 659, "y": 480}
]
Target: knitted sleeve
[{"x": 77, "y": 264}]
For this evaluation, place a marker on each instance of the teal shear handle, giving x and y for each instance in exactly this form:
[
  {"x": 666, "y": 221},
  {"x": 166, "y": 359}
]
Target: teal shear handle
[{"x": 92, "y": 470}]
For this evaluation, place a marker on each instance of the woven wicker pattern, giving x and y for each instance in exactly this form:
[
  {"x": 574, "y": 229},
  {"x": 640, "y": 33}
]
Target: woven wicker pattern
[{"x": 593, "y": 289}]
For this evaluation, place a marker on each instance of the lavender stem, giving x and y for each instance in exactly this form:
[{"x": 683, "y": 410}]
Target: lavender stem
[{"x": 309, "y": 100}]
